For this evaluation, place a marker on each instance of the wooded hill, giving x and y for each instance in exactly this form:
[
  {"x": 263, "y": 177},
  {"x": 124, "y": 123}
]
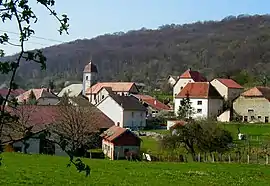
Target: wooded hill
[{"x": 221, "y": 48}]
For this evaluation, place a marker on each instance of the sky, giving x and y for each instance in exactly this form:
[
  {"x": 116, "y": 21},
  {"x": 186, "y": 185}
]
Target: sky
[{"x": 90, "y": 18}]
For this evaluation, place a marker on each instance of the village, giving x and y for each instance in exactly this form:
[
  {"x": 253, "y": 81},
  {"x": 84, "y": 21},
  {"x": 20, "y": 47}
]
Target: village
[{"x": 121, "y": 111}]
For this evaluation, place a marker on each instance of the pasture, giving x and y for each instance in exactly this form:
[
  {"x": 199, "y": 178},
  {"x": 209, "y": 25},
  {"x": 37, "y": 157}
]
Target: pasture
[{"x": 20, "y": 169}]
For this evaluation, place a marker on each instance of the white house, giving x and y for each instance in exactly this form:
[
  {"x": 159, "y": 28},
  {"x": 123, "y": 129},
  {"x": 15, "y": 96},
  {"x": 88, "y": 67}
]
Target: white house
[
  {"x": 72, "y": 90},
  {"x": 205, "y": 99},
  {"x": 43, "y": 97},
  {"x": 97, "y": 93},
  {"x": 188, "y": 76},
  {"x": 172, "y": 80},
  {"x": 125, "y": 111},
  {"x": 227, "y": 88}
]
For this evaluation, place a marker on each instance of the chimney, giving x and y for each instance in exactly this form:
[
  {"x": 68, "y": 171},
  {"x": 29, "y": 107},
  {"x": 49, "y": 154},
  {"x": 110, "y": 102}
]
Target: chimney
[{"x": 155, "y": 102}]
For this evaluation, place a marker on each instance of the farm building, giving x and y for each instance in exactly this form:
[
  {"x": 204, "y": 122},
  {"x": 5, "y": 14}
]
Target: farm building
[{"x": 117, "y": 142}]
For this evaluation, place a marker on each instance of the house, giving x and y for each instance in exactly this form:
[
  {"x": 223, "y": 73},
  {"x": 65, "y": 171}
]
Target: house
[
  {"x": 153, "y": 105},
  {"x": 121, "y": 88},
  {"x": 118, "y": 142},
  {"x": 43, "y": 96},
  {"x": 125, "y": 111},
  {"x": 227, "y": 88},
  {"x": 205, "y": 99},
  {"x": 72, "y": 90},
  {"x": 188, "y": 76},
  {"x": 39, "y": 118},
  {"x": 172, "y": 80},
  {"x": 13, "y": 93},
  {"x": 253, "y": 105}
]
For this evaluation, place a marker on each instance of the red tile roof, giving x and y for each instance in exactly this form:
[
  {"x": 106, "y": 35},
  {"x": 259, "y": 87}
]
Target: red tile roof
[
  {"x": 115, "y": 86},
  {"x": 199, "y": 90},
  {"x": 152, "y": 102},
  {"x": 229, "y": 83},
  {"x": 38, "y": 93},
  {"x": 114, "y": 132},
  {"x": 90, "y": 67},
  {"x": 257, "y": 92},
  {"x": 16, "y": 92},
  {"x": 195, "y": 75}
]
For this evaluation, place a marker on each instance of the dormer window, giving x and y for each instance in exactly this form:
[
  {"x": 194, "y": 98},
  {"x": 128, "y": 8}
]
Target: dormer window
[{"x": 86, "y": 77}]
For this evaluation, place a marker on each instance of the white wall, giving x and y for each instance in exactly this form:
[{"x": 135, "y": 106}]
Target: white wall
[
  {"x": 180, "y": 83},
  {"x": 137, "y": 120},
  {"x": 102, "y": 94},
  {"x": 224, "y": 117},
  {"x": 171, "y": 81},
  {"x": 119, "y": 150},
  {"x": 112, "y": 110},
  {"x": 195, "y": 106},
  {"x": 48, "y": 101},
  {"x": 92, "y": 78},
  {"x": 221, "y": 88}
]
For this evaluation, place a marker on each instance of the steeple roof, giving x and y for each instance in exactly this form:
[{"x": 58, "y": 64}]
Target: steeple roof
[{"x": 90, "y": 67}]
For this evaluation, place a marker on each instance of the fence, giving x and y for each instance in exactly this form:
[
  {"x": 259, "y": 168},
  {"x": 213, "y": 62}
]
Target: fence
[{"x": 237, "y": 157}]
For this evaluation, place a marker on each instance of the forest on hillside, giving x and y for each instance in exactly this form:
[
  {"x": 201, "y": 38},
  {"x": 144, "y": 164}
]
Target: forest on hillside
[{"x": 237, "y": 46}]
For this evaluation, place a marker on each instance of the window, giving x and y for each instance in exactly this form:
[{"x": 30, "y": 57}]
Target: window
[
  {"x": 252, "y": 118},
  {"x": 259, "y": 117},
  {"x": 199, "y": 111},
  {"x": 250, "y": 110},
  {"x": 245, "y": 118},
  {"x": 86, "y": 77},
  {"x": 181, "y": 88},
  {"x": 199, "y": 102},
  {"x": 266, "y": 119},
  {"x": 102, "y": 96}
]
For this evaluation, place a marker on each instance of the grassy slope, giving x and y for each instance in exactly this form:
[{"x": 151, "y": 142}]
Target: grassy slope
[{"x": 47, "y": 170}]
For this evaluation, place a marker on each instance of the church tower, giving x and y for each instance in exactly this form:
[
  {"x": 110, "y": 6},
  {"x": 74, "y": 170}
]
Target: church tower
[{"x": 90, "y": 76}]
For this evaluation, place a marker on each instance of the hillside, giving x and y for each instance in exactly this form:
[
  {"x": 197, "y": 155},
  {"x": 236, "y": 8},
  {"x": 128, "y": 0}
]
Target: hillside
[
  {"x": 20, "y": 169},
  {"x": 215, "y": 48}
]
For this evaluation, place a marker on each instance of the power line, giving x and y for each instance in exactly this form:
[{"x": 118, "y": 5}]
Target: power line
[
  {"x": 43, "y": 44},
  {"x": 47, "y": 39}
]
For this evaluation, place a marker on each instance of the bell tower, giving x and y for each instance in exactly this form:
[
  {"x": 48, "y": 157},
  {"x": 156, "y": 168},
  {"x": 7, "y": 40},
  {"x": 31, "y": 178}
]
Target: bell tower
[{"x": 90, "y": 76}]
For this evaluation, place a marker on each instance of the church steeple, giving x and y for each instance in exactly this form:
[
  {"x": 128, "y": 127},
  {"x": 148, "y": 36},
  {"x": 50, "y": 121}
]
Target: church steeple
[{"x": 90, "y": 74}]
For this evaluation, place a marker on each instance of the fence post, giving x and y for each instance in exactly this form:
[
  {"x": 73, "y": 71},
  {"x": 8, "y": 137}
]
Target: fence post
[
  {"x": 229, "y": 158},
  {"x": 199, "y": 157},
  {"x": 266, "y": 159},
  {"x": 248, "y": 158},
  {"x": 213, "y": 157}
]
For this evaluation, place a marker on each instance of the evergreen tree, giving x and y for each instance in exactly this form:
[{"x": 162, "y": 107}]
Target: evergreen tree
[
  {"x": 32, "y": 100},
  {"x": 185, "y": 110}
]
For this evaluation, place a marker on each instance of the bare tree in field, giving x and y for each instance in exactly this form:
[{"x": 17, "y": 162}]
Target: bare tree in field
[{"x": 77, "y": 126}]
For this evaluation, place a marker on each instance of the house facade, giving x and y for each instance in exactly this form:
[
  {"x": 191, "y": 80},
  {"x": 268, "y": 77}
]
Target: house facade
[
  {"x": 253, "y": 105},
  {"x": 43, "y": 97},
  {"x": 188, "y": 76},
  {"x": 227, "y": 88},
  {"x": 95, "y": 94},
  {"x": 205, "y": 100},
  {"x": 118, "y": 142},
  {"x": 172, "y": 80},
  {"x": 153, "y": 106},
  {"x": 125, "y": 111}
]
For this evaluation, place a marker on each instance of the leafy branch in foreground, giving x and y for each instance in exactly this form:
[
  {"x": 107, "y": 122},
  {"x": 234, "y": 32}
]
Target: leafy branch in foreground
[{"x": 19, "y": 11}]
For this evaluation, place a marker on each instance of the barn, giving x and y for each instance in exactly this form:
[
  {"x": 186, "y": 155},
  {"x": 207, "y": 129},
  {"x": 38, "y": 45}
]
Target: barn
[{"x": 117, "y": 142}]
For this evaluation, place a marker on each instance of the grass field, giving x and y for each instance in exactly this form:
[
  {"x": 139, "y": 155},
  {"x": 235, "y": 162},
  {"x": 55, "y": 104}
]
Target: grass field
[{"x": 35, "y": 170}]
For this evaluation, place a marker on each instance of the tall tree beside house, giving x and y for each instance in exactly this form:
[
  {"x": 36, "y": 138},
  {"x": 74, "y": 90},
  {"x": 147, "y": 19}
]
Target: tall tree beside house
[
  {"x": 21, "y": 13},
  {"x": 32, "y": 100},
  {"x": 185, "y": 110}
]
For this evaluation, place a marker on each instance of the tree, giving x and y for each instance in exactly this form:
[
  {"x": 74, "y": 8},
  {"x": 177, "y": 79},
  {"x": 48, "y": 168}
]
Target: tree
[
  {"x": 185, "y": 110},
  {"x": 77, "y": 125},
  {"x": 51, "y": 85},
  {"x": 20, "y": 12},
  {"x": 32, "y": 100},
  {"x": 198, "y": 136}
]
